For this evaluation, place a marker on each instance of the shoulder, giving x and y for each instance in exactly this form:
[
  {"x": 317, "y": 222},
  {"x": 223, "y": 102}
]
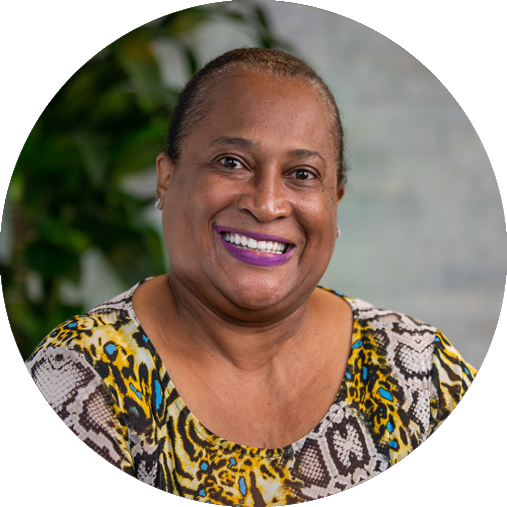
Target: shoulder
[
  {"x": 105, "y": 328},
  {"x": 415, "y": 349},
  {"x": 387, "y": 382},
  {"x": 409, "y": 363},
  {"x": 65, "y": 418},
  {"x": 369, "y": 315},
  {"x": 110, "y": 339},
  {"x": 391, "y": 333},
  {"x": 390, "y": 365},
  {"x": 466, "y": 447},
  {"x": 451, "y": 379}
]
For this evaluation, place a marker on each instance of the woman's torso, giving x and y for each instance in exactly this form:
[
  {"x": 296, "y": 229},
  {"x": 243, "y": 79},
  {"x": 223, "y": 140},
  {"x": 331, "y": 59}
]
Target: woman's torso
[
  {"x": 401, "y": 380},
  {"x": 272, "y": 387}
]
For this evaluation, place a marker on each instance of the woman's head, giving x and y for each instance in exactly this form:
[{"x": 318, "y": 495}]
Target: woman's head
[
  {"x": 257, "y": 157},
  {"x": 194, "y": 101}
]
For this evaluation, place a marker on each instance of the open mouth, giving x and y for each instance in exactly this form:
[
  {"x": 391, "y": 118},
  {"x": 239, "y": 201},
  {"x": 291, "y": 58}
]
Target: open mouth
[
  {"x": 247, "y": 243},
  {"x": 255, "y": 248}
]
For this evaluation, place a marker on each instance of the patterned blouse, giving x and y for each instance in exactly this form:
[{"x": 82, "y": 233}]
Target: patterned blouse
[{"x": 101, "y": 374}]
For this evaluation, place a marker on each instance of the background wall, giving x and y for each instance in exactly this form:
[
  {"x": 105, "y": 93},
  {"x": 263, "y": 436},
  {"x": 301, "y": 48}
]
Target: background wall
[{"x": 423, "y": 229}]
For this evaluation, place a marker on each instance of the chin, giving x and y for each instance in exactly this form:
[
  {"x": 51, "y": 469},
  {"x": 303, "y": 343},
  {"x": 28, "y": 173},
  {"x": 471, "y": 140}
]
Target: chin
[{"x": 261, "y": 295}]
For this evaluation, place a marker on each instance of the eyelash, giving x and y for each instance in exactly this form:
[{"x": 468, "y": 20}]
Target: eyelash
[
  {"x": 230, "y": 158},
  {"x": 311, "y": 175}
]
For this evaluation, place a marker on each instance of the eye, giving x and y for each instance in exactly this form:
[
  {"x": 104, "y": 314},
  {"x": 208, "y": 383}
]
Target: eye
[
  {"x": 230, "y": 163},
  {"x": 303, "y": 174}
]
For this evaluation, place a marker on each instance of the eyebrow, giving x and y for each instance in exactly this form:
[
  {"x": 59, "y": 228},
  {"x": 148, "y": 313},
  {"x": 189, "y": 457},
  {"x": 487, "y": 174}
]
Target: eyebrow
[
  {"x": 241, "y": 142},
  {"x": 302, "y": 153}
]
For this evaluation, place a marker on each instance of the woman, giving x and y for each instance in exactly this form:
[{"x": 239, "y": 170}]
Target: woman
[{"x": 235, "y": 379}]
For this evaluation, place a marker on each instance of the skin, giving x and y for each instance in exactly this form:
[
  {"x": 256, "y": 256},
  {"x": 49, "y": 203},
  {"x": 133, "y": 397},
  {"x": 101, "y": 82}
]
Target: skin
[{"x": 256, "y": 352}]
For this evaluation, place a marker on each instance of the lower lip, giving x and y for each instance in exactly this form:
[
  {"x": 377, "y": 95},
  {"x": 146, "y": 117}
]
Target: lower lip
[{"x": 257, "y": 258}]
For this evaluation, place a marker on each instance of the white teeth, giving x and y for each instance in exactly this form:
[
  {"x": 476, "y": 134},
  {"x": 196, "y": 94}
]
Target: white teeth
[{"x": 247, "y": 243}]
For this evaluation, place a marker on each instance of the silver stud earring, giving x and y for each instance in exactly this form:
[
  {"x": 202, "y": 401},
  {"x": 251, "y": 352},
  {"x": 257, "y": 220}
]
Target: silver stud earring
[
  {"x": 157, "y": 204},
  {"x": 337, "y": 232}
]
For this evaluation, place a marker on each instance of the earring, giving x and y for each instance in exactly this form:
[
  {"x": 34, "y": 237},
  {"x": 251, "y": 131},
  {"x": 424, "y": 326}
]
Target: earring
[
  {"x": 157, "y": 204},
  {"x": 337, "y": 232}
]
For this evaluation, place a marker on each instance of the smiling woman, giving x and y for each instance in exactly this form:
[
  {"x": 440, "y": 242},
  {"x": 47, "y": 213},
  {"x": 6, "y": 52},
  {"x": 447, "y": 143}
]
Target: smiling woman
[{"x": 234, "y": 379}]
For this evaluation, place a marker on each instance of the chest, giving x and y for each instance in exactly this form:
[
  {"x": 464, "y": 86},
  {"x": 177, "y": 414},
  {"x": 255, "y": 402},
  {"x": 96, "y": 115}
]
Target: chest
[
  {"x": 270, "y": 411},
  {"x": 268, "y": 407}
]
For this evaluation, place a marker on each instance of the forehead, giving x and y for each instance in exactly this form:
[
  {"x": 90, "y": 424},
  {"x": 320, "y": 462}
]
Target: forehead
[
  {"x": 255, "y": 88},
  {"x": 286, "y": 110}
]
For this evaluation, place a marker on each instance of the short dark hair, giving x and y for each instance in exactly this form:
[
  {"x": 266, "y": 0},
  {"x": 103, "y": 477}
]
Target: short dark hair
[{"x": 193, "y": 102}]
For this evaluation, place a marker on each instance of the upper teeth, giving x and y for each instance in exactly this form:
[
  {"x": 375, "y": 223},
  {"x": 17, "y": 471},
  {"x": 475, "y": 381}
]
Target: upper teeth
[{"x": 251, "y": 244}]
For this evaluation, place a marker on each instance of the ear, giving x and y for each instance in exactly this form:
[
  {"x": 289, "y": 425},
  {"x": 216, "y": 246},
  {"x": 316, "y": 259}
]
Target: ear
[{"x": 165, "y": 169}]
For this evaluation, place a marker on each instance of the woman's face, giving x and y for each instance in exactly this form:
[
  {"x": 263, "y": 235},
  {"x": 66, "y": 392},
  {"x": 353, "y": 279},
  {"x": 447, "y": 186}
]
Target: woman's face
[{"x": 260, "y": 170}]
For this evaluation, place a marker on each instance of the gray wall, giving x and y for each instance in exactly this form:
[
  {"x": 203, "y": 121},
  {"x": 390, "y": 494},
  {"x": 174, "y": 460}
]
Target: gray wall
[{"x": 423, "y": 230}]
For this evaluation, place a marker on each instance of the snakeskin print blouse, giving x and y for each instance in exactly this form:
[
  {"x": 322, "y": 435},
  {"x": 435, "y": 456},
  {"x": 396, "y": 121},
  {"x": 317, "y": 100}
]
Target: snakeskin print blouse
[{"x": 101, "y": 374}]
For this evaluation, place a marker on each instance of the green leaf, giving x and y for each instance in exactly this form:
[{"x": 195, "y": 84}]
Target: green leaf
[
  {"x": 192, "y": 63},
  {"x": 261, "y": 18},
  {"x": 27, "y": 25},
  {"x": 236, "y": 16},
  {"x": 52, "y": 261},
  {"x": 139, "y": 148},
  {"x": 71, "y": 103},
  {"x": 186, "y": 21},
  {"x": 115, "y": 110},
  {"x": 135, "y": 54},
  {"x": 16, "y": 187},
  {"x": 26, "y": 326},
  {"x": 64, "y": 236},
  {"x": 93, "y": 155}
]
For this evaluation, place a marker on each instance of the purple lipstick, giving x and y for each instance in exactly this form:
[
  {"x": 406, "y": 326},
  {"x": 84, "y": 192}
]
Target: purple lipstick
[{"x": 255, "y": 248}]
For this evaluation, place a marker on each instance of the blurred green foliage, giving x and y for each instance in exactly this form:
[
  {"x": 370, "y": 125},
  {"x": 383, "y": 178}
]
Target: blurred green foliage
[{"x": 66, "y": 197}]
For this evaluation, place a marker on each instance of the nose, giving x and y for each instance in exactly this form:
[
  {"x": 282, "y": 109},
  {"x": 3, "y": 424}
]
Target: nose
[{"x": 265, "y": 198}]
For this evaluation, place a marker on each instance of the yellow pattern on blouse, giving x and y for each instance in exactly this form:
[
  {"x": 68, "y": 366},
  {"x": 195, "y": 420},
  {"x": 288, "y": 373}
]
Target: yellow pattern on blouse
[{"x": 103, "y": 377}]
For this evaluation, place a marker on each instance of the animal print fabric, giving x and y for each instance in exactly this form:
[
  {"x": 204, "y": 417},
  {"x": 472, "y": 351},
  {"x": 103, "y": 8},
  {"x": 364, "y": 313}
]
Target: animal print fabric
[{"x": 101, "y": 374}]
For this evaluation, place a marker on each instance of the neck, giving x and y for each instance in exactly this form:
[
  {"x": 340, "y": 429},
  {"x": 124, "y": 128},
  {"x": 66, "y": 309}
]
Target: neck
[{"x": 250, "y": 344}]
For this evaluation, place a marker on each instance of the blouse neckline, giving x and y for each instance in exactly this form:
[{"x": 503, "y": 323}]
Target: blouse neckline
[{"x": 227, "y": 445}]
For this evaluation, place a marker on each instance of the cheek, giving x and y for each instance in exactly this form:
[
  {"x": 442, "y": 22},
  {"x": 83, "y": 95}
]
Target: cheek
[
  {"x": 318, "y": 216},
  {"x": 319, "y": 224},
  {"x": 210, "y": 196},
  {"x": 193, "y": 201}
]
